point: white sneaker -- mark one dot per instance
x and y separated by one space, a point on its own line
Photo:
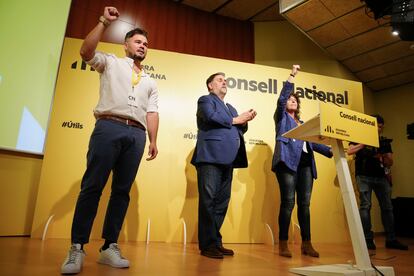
112 256
74 261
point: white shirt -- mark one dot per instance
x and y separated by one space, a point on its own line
116 89
304 148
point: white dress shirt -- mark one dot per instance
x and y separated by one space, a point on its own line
118 95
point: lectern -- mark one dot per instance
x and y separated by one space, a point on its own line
331 126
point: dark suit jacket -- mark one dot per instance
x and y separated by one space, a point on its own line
218 140
289 150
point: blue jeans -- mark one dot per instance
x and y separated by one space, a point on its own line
214 188
382 189
115 147
290 182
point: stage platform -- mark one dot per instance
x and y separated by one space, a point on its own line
26 256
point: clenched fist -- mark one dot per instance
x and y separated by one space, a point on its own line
111 13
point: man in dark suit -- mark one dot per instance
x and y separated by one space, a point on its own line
220 148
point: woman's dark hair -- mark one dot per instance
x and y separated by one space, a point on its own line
297 111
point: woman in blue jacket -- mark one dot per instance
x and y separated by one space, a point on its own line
294 165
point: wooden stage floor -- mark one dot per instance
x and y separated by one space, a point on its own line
25 256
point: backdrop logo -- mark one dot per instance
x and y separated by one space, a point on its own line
83 66
71 124
150 70
253 85
190 135
316 94
259 142
270 87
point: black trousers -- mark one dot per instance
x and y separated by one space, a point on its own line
214 188
114 147
301 183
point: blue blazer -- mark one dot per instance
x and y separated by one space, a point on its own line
289 150
218 140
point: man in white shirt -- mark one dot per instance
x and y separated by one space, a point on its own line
127 108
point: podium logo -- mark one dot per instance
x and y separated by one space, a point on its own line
329 129
83 66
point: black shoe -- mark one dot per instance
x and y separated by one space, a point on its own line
395 244
370 244
212 252
225 251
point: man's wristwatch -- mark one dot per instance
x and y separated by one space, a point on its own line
104 21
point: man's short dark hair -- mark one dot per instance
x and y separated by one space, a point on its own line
135 31
211 78
380 120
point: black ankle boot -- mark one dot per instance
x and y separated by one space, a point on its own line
370 244
395 244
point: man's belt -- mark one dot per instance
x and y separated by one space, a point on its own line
127 122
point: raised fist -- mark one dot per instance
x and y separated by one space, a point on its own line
111 13
295 69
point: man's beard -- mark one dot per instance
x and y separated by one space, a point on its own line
136 57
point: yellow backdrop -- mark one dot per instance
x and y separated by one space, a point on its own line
165 190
